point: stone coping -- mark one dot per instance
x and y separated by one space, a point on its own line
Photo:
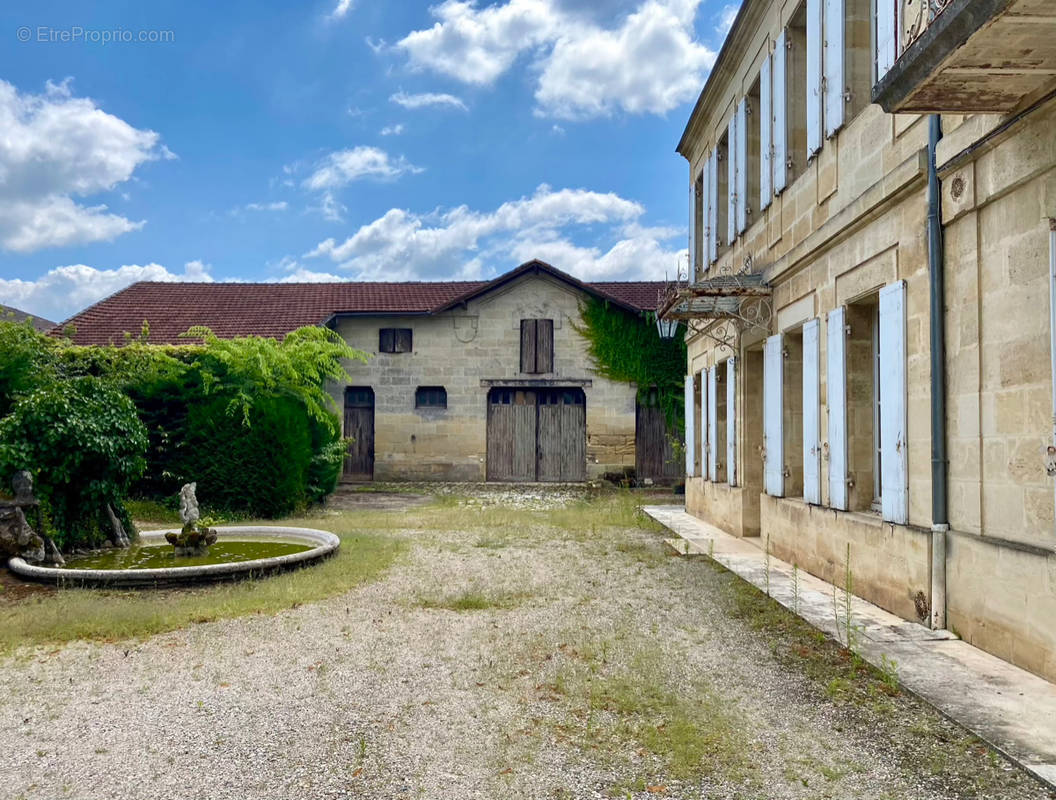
325 545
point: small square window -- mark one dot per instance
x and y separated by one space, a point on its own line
395 340
430 397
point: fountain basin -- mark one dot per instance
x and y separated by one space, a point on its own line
295 547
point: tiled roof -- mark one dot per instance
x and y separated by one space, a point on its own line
275 309
41 324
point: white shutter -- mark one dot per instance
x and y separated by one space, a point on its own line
691 451
835 80
731 421
703 380
812 412
713 424
766 120
779 127
886 42
742 166
814 77
713 205
705 212
692 229
731 180
773 443
836 399
894 484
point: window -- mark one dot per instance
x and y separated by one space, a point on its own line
863 399
722 230
697 236
537 345
430 397
795 98
751 167
394 340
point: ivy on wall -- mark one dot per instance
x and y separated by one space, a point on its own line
626 348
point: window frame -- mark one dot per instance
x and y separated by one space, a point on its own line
427 393
401 340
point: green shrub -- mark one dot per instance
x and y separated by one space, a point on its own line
84 445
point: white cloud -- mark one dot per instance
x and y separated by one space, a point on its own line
56 147
648 62
392 130
341 9
401 245
726 19
279 205
342 167
426 99
63 291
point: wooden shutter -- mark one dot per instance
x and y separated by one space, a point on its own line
702 379
692 227
731 421
766 121
815 72
836 400
544 345
713 423
404 342
885 36
705 212
691 453
779 125
742 166
835 79
773 404
731 180
812 412
387 340
528 345
713 206
894 483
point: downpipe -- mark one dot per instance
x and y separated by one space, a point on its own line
939 460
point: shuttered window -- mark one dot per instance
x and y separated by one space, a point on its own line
395 340
691 453
741 166
894 484
713 424
835 66
537 345
836 400
779 116
773 423
731 180
694 199
430 397
731 421
705 212
815 71
713 206
766 121
811 412
705 444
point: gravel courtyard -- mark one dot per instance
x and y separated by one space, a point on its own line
522 646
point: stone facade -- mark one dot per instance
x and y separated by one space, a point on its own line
467 350
852 221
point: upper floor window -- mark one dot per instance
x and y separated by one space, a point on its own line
430 397
395 340
537 345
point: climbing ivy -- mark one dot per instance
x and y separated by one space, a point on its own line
626 348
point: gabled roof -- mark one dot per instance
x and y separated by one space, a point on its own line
41 324
275 309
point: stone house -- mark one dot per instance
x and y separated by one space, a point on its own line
465 380
872 261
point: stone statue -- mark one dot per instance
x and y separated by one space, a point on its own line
188 504
120 538
22 483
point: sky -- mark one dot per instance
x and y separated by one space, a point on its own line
337 140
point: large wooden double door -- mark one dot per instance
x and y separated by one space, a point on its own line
537 435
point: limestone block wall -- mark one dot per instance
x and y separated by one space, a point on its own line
458 350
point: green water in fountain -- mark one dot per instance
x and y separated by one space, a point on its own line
157 556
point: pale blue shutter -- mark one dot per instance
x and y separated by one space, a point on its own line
814 77
836 400
713 205
742 166
691 451
731 180
773 403
705 212
885 36
713 424
766 121
692 228
894 480
731 421
812 412
779 126
835 80
702 379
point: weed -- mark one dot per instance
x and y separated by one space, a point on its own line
472 600
795 588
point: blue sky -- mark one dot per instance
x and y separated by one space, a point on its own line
342 140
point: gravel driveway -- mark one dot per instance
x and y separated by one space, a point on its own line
522 660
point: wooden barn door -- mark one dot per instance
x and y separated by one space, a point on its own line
653 456
536 435
359 426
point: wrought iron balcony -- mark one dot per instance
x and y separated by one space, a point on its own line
969 56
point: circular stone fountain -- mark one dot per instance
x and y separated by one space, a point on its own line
242 551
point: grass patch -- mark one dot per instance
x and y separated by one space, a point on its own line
152 512
473 601
71 614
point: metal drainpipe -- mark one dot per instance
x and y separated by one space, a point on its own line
939 511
